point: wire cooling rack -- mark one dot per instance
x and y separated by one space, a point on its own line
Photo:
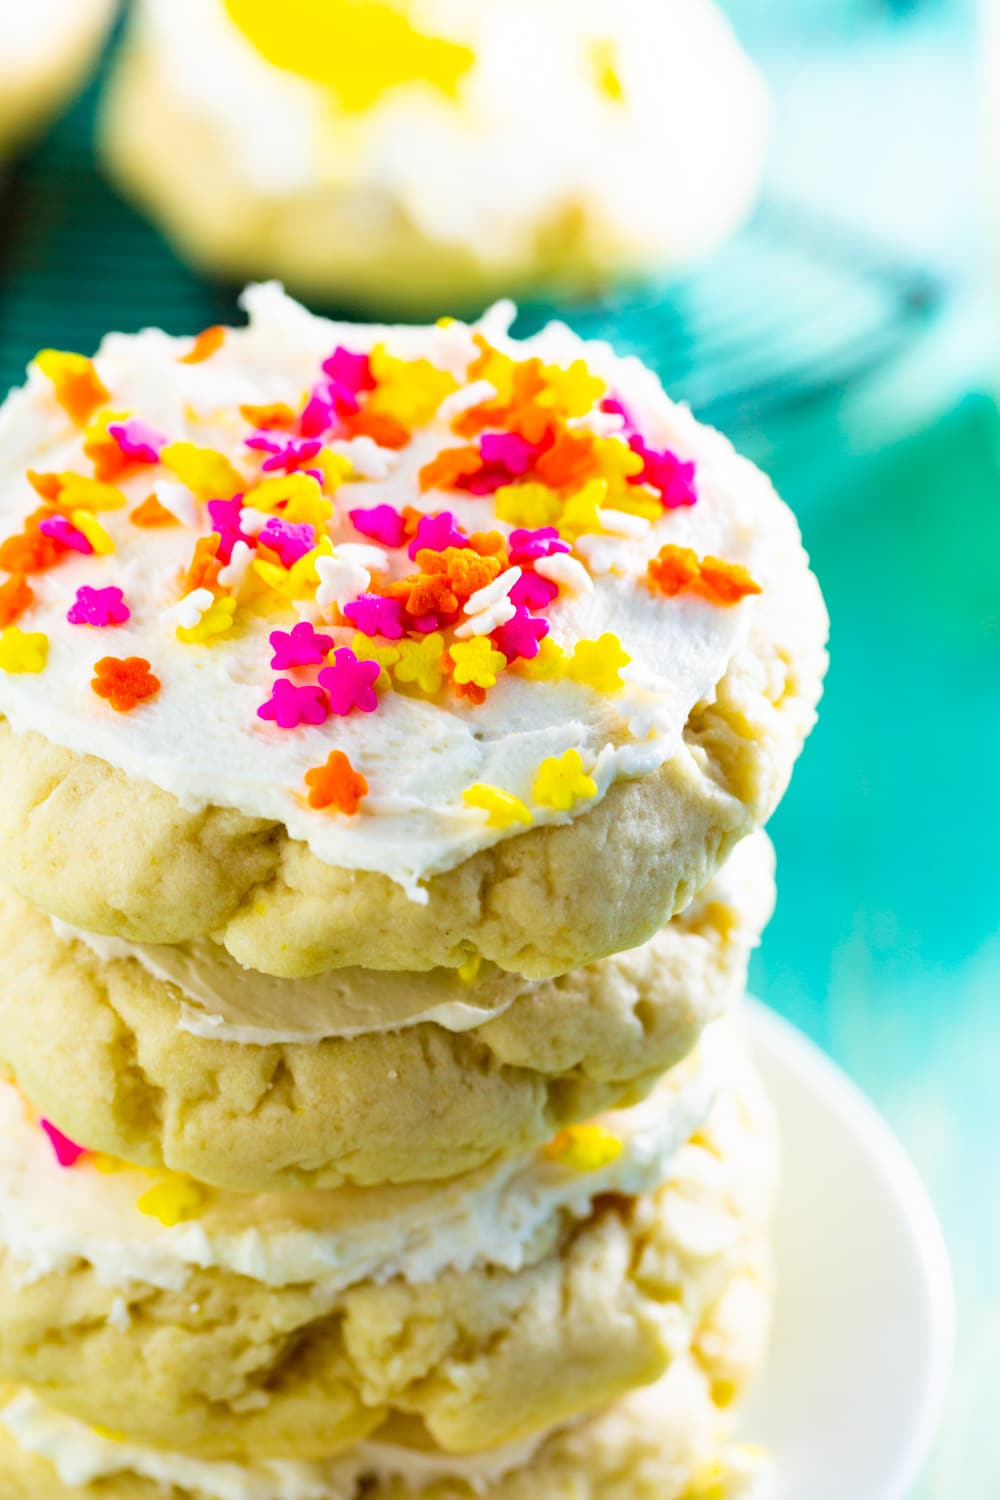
794 311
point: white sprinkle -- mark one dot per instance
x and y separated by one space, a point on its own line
366 458
238 566
180 502
463 400
492 593
603 423
568 572
253 521
189 611
623 523
496 321
605 554
340 580
487 620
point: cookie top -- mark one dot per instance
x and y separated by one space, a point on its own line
406 591
445 109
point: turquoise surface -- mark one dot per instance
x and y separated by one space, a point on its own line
886 943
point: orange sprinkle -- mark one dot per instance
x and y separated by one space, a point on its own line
336 785
676 570
570 460
489 544
470 690
385 431
151 513
77 385
208 342
110 463
411 521
204 569
31 551
450 467
15 597
269 418
47 486
465 569
425 594
124 681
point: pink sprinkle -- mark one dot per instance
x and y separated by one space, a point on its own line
60 530
521 635
225 518
382 522
289 706
350 683
318 414
290 539
437 533
98 607
137 440
510 451
374 615
353 371
529 546
302 646
67 1152
617 408
665 472
533 591
426 623
286 454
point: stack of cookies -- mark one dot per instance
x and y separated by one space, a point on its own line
389 717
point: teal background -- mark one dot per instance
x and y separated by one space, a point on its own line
886 943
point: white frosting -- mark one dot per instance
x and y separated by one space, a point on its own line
32 35
200 737
81 1456
51 1218
224 1002
530 132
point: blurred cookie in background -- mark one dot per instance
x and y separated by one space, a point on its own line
46 50
398 155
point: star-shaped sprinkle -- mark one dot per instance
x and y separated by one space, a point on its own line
519 637
533 591
137 440
663 471
350 683
208 474
290 540
529 546
503 809
174 1200
124 682
16 596
94 533
302 646
98 607
421 664
382 652
678 570
70 537
78 387
341 579
373 614
289 706
560 782
151 514
598 663
435 533
23 651
477 662
336 786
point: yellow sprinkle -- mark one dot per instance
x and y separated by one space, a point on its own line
208 474
529 505
560 782
604 58
420 664
109 1434
580 513
548 666
86 522
335 469
584 1148
173 1200
23 651
78 490
369 648
477 661
468 972
298 496
504 808
573 391
598 663
109 1166
408 390
217 620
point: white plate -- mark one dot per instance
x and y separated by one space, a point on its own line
865 1326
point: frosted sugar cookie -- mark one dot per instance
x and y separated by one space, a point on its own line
471 1316
177 1057
45 50
663 1443
402 648
421 154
